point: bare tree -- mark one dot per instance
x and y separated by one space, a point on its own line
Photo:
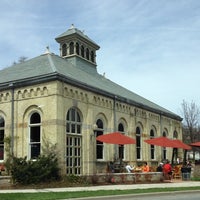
191 114
20 60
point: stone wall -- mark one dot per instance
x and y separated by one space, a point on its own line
5 182
127 178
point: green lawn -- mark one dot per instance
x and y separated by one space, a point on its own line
67 195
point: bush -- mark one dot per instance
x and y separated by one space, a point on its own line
44 169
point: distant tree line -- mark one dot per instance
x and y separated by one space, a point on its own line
191 122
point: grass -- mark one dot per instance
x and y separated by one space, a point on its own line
67 195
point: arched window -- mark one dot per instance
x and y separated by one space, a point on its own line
73 121
2 132
121 127
64 50
164 134
71 48
35 135
175 135
82 51
77 48
164 153
73 142
92 56
87 54
152 135
99 145
121 147
138 143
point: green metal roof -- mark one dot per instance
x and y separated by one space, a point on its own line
49 65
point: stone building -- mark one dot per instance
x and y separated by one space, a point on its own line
63 100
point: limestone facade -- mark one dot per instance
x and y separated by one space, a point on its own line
54 99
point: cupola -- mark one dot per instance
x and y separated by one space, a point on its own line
74 43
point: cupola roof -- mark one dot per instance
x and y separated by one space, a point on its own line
72 31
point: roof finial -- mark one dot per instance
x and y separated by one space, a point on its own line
47 51
72 26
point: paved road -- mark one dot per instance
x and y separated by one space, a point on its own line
191 195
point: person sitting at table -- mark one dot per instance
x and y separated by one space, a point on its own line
145 167
129 168
111 167
160 168
167 170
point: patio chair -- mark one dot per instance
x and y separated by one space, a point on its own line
177 172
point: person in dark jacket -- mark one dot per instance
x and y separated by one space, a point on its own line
160 167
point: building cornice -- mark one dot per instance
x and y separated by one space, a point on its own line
55 76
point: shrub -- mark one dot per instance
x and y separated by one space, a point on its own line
44 169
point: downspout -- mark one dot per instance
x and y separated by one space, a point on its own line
114 111
12 118
161 134
116 155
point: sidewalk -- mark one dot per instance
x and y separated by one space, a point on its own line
174 184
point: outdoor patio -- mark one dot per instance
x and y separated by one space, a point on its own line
127 178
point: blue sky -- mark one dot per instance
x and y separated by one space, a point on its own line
151 47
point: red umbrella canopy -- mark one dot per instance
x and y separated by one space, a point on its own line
115 138
196 144
180 144
161 141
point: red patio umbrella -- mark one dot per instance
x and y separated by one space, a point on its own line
180 144
195 144
161 141
115 138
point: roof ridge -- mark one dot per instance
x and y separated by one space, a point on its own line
53 67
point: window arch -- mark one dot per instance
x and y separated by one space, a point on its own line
138 143
35 135
164 134
121 128
71 48
175 135
99 145
73 121
73 142
64 50
2 132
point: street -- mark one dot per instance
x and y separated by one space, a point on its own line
189 195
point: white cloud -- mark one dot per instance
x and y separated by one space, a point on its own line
150 47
